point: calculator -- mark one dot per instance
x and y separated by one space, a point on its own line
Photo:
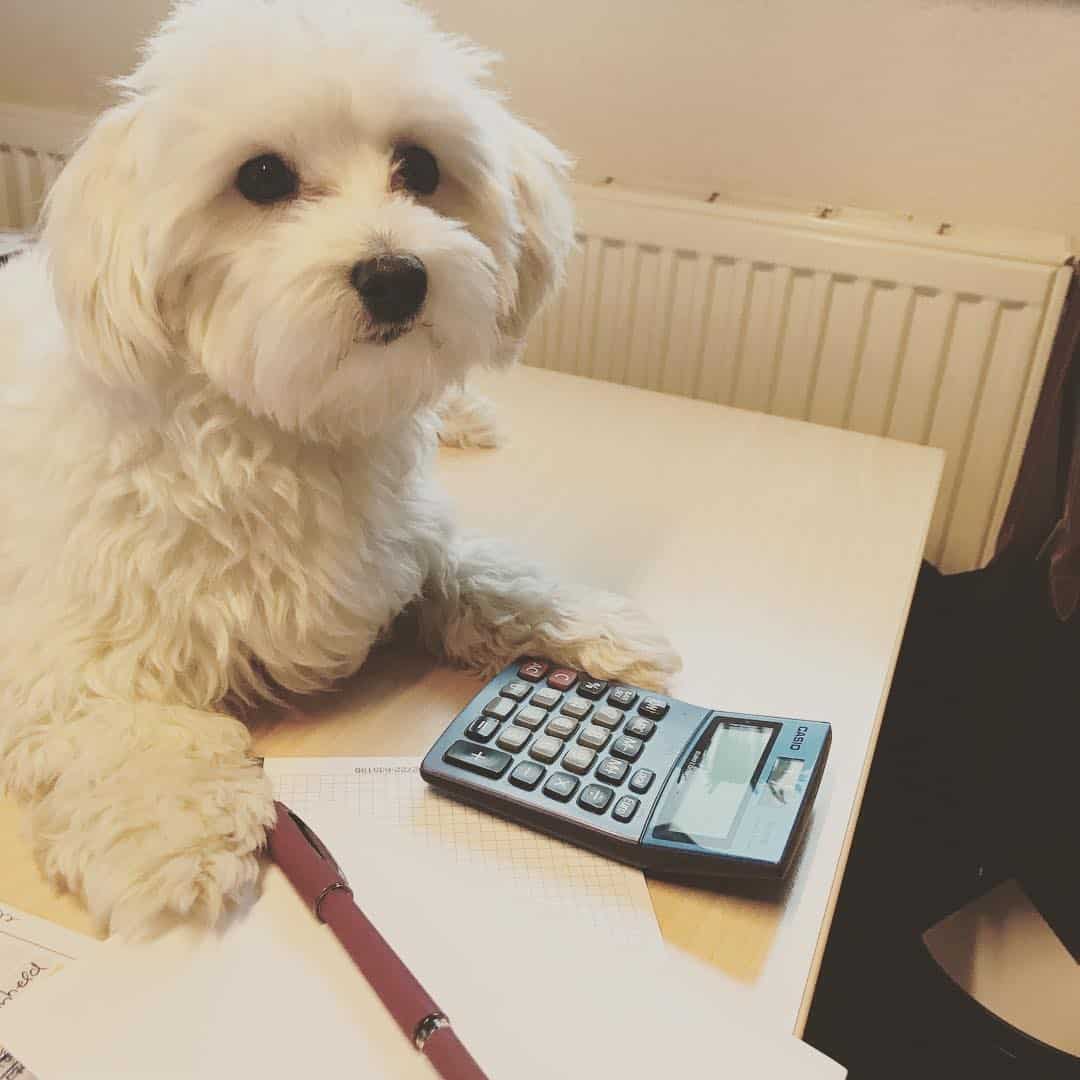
673 788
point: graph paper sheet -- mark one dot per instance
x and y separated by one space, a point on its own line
610 899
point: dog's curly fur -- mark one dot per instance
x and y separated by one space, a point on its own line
214 481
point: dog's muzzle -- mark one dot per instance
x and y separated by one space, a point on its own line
392 287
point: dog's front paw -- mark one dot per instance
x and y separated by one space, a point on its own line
163 836
467 420
610 638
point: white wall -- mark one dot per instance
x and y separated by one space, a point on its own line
961 110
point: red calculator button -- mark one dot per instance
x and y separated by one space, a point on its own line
533 670
562 678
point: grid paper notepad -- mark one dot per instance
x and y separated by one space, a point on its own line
611 899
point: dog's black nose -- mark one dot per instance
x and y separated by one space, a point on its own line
392 287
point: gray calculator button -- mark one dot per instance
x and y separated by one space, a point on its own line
594 736
612 770
639 727
595 797
653 708
513 738
578 759
562 727
531 717
527 775
546 698
499 707
482 728
516 690
625 808
626 746
546 748
607 716
560 786
642 780
478 759
622 697
576 707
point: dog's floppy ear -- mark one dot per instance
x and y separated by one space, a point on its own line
98 254
547 236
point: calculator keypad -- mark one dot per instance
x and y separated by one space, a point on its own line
567 737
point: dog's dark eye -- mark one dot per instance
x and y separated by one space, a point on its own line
266 179
415 170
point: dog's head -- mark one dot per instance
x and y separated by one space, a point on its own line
316 204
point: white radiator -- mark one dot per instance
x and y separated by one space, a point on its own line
25 177
926 333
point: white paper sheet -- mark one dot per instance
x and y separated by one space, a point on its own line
611 899
32 950
533 993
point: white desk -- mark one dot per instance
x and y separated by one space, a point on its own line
780 557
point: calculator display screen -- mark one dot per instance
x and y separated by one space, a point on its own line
706 795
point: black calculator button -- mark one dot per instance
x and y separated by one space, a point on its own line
482 728
639 727
594 737
561 727
533 670
592 688
612 770
625 808
578 759
642 780
478 759
576 707
560 786
653 708
562 678
499 707
622 697
546 748
516 690
609 717
513 738
530 716
595 797
626 746
546 699
527 775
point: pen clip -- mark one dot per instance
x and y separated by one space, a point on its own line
323 852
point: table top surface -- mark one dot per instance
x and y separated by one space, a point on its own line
779 557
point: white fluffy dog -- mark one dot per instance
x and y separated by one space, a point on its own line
297 230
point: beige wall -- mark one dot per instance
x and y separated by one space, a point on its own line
962 110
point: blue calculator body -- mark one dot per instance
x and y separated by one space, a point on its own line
673 788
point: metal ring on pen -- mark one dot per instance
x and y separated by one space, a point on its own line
427 1027
324 894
